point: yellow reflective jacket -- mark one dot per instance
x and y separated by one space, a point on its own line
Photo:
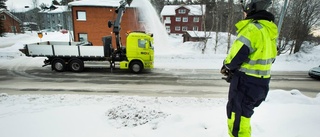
260 37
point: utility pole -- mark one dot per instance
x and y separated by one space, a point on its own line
283 11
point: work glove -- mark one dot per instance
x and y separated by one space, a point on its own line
224 70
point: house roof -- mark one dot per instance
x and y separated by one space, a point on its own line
11 15
101 3
169 10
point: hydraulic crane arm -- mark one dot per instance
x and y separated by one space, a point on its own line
117 23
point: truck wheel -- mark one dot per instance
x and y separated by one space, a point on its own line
58 65
136 67
76 65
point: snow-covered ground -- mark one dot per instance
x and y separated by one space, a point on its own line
283 114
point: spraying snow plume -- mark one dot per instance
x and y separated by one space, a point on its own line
153 23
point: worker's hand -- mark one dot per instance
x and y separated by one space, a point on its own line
224 70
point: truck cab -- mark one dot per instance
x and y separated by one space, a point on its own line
139 52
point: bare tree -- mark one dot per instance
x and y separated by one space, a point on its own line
34 3
234 15
207 17
303 15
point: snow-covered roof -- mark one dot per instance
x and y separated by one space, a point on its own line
101 3
59 9
11 15
169 10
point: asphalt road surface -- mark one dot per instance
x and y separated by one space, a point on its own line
157 82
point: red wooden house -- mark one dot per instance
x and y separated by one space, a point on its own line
11 22
181 18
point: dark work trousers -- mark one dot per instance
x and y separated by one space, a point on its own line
245 93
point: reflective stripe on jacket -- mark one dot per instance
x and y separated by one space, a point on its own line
260 37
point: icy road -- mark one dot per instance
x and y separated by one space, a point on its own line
157 82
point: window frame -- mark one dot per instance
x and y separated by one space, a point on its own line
182 11
185 19
184 28
81 17
175 28
193 28
168 28
196 19
84 34
178 19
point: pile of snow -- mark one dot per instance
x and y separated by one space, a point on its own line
132 115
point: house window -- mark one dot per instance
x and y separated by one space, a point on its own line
195 19
81 15
168 18
195 28
178 19
177 28
185 19
168 28
2 17
182 11
83 37
184 28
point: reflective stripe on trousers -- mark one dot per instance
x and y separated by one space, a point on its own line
244 126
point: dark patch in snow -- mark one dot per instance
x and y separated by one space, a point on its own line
129 115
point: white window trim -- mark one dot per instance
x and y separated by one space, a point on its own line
184 28
185 19
196 19
178 19
84 36
168 28
81 17
195 28
182 11
177 28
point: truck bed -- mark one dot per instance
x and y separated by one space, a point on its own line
63 49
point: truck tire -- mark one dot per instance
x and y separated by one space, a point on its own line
136 67
76 65
58 65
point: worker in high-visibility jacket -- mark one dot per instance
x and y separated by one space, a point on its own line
248 65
